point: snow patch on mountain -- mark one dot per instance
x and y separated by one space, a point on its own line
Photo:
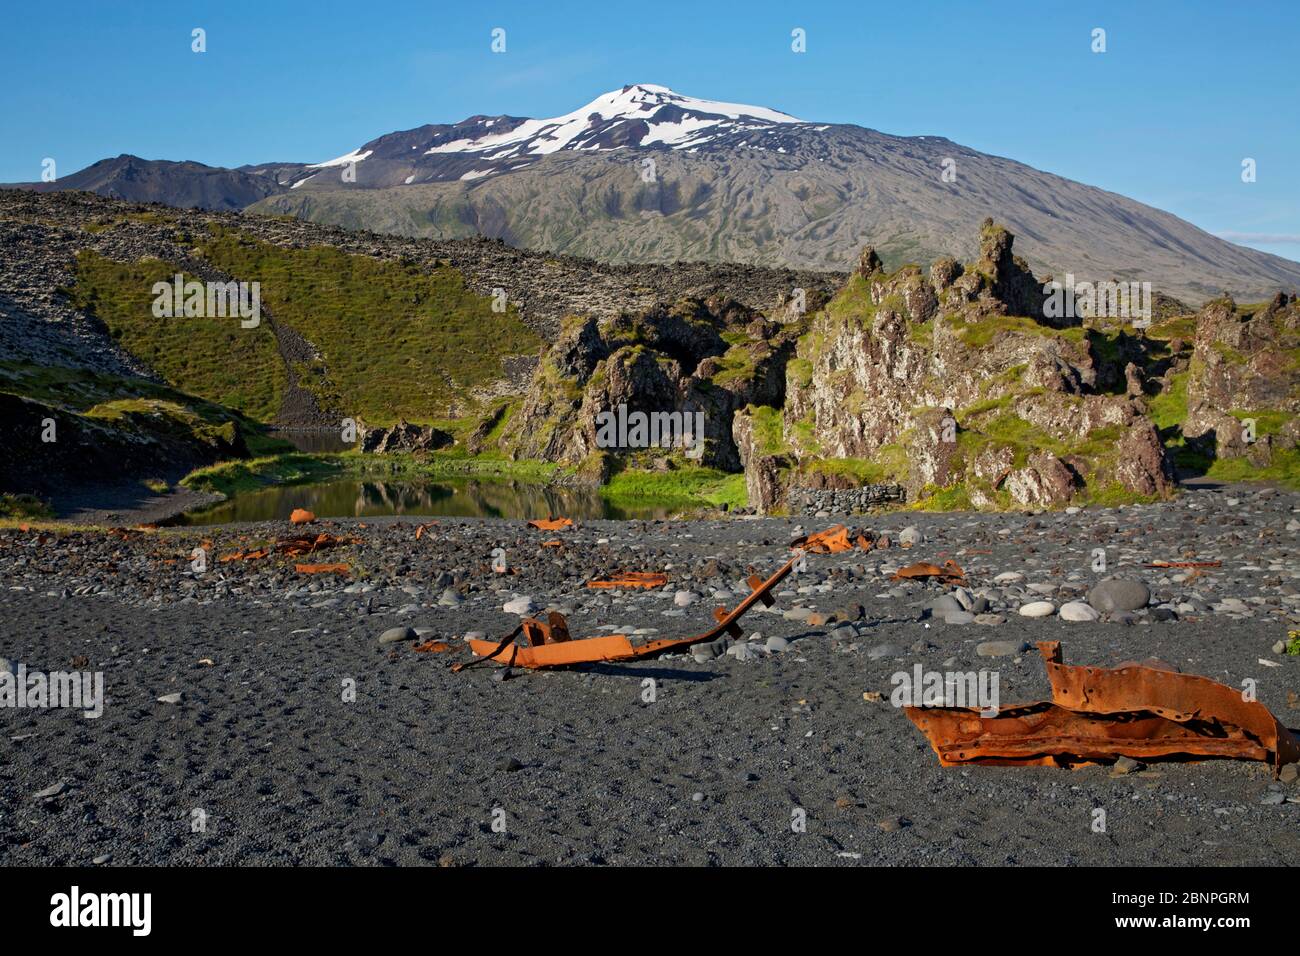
670 119
347 159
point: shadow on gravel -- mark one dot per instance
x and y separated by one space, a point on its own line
658 673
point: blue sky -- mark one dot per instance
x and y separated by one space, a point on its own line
1184 91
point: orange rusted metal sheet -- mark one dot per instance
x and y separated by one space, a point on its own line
244 555
321 568
301 516
950 570
550 645
1134 710
1185 564
833 540
306 544
550 524
631 579
432 646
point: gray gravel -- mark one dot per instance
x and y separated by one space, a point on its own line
303 739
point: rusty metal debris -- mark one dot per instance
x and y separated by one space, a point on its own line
301 516
293 546
244 555
1142 711
306 544
949 572
321 568
549 643
834 540
631 579
550 524
1185 564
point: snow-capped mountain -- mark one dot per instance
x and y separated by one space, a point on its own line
728 183
641 115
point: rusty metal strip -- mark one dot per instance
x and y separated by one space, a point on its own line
1097 713
631 579
550 524
834 540
949 571
488 655
558 652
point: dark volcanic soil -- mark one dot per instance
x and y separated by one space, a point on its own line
583 768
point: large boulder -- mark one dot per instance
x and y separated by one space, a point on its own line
404 437
1243 363
1046 481
763 482
699 361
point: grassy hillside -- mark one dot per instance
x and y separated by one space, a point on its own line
212 358
111 399
394 341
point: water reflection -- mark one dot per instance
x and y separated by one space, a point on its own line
460 497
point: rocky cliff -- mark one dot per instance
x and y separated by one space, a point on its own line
956 381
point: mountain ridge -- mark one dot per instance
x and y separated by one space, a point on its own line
647 175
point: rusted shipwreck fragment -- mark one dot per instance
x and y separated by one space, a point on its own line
1143 711
548 643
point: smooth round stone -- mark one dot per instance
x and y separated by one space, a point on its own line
395 635
777 644
1009 577
944 603
521 605
685 598
1079 612
999 648
450 598
910 536
958 617
1119 594
885 650
990 620
1037 609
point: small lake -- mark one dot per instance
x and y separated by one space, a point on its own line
450 497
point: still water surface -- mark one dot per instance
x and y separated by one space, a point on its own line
458 497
